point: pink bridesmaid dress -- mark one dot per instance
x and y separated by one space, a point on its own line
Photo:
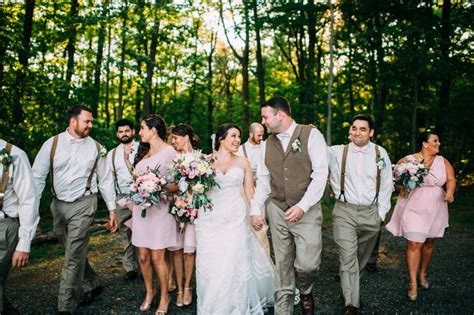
424 214
158 229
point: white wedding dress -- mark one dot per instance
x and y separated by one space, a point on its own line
234 276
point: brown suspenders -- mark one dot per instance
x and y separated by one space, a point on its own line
245 151
6 168
51 166
117 186
343 174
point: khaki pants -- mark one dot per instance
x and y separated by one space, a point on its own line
8 241
297 247
355 231
129 253
71 222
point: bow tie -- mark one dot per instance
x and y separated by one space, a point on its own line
356 149
73 140
282 136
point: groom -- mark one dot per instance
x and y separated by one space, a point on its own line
292 171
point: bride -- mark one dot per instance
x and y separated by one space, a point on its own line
233 273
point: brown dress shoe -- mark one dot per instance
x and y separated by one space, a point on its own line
350 310
307 304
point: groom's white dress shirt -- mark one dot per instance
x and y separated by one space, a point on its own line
73 162
360 179
20 200
317 151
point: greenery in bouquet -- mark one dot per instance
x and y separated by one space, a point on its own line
194 175
409 175
147 189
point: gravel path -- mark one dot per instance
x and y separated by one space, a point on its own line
34 289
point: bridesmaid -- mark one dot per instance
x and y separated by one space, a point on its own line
184 140
156 232
423 215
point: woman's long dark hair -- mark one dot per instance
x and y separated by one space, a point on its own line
152 121
222 132
186 130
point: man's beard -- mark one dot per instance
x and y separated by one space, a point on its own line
82 133
125 139
256 141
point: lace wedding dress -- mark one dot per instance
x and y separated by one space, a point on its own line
233 273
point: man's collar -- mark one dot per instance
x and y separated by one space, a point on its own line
288 133
71 138
357 149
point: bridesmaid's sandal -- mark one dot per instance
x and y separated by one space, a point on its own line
412 296
424 284
145 307
171 286
179 299
163 311
188 296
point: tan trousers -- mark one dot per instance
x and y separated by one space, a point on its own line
8 241
355 233
297 247
71 222
129 252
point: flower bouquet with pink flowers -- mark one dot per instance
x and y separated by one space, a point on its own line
147 189
194 175
409 175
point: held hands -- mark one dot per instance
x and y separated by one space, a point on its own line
257 222
19 259
113 221
294 214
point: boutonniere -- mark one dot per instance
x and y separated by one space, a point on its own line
6 158
379 160
296 146
102 152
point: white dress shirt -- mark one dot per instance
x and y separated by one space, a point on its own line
73 162
253 154
361 176
317 151
20 197
123 174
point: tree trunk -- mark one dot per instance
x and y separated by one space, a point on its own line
446 78
150 64
259 57
107 76
122 59
99 58
310 80
210 76
71 44
23 55
331 76
414 114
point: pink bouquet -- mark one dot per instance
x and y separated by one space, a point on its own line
194 176
148 189
409 174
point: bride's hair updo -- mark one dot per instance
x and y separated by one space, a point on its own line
152 121
222 132
186 130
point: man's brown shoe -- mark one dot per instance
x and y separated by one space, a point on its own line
307 304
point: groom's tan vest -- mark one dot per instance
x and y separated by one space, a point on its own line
290 171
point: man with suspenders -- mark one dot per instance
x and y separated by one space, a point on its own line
361 178
77 167
122 175
18 214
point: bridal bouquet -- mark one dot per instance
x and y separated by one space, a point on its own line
195 177
409 174
148 189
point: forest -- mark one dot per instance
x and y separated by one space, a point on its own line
409 63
